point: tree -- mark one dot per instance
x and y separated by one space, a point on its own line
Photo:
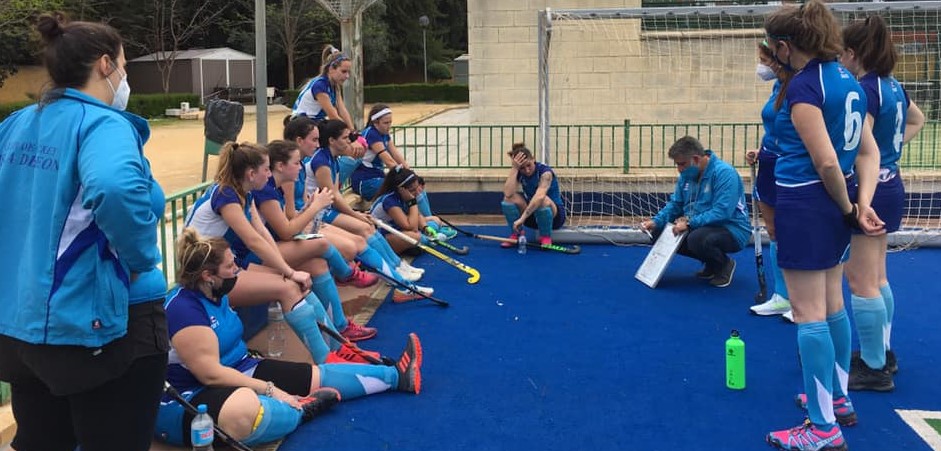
17 44
297 25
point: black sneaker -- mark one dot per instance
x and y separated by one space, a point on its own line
409 366
864 378
705 273
320 401
891 363
724 277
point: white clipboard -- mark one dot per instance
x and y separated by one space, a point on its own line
653 267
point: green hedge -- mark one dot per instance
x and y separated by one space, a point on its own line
288 96
414 92
146 105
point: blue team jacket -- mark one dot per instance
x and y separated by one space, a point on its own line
718 200
77 220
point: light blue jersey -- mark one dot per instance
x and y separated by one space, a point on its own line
828 86
888 104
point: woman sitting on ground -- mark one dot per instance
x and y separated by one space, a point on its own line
396 203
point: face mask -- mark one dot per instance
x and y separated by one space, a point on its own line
224 288
122 94
764 73
692 172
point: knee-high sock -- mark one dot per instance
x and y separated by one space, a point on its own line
511 212
353 380
870 314
276 419
373 259
889 298
816 352
842 336
379 243
544 220
424 207
779 286
303 320
434 226
326 290
337 264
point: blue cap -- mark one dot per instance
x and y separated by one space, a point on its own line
202 408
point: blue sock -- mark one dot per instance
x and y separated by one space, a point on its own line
870 314
841 334
354 380
423 239
326 290
379 243
779 286
816 352
424 207
278 419
338 265
889 298
434 226
544 221
511 212
372 259
303 320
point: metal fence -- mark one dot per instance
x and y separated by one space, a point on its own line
171 224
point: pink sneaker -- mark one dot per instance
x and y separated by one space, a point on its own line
808 437
513 236
355 332
545 241
359 278
842 409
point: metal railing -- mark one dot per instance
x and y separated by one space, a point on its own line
170 225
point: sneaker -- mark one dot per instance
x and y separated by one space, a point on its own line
409 276
545 241
864 378
347 353
355 332
891 363
724 277
408 267
513 236
399 296
705 273
788 316
409 366
359 278
447 232
808 436
320 401
842 409
777 305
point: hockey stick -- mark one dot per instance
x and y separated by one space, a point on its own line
756 236
474 274
464 250
575 249
383 360
228 439
404 286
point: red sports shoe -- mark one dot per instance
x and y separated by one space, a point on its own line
355 332
513 236
347 353
545 241
359 278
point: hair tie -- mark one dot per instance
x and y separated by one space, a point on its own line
381 113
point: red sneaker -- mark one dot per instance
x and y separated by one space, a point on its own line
359 278
513 236
545 241
355 332
347 353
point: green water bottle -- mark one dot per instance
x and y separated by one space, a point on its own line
735 362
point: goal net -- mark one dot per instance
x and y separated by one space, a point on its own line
654 75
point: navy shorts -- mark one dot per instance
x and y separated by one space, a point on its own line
765 188
888 200
557 221
810 230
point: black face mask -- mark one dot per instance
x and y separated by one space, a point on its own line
224 289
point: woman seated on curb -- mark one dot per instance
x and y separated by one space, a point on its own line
396 204
254 400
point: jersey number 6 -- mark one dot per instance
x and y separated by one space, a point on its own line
854 123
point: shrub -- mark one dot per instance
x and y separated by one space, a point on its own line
154 105
288 96
439 71
417 92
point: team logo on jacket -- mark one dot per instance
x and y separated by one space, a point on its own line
213 322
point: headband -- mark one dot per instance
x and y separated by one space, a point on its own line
407 179
381 113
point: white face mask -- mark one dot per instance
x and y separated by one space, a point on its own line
765 73
122 94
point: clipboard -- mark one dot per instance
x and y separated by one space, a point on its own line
659 257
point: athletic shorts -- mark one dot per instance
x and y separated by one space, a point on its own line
765 187
330 214
809 227
888 200
557 221
247 259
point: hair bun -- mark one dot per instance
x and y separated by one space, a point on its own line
50 26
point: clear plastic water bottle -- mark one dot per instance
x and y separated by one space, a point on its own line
735 362
522 244
276 333
318 220
201 432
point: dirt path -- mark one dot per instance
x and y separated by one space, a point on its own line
175 148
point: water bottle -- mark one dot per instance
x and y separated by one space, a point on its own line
275 330
201 432
522 244
318 220
735 362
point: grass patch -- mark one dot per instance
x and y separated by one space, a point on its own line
934 423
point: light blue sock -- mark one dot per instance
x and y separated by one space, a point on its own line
354 380
434 226
841 334
817 360
424 207
326 290
277 420
511 212
379 243
303 320
338 265
423 239
870 314
889 298
372 259
544 220
780 287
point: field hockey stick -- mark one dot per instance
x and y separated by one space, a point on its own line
474 274
228 439
756 236
464 250
403 286
382 360
575 249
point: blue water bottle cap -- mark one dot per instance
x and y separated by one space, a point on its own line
202 408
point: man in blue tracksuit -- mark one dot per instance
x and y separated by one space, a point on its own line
709 202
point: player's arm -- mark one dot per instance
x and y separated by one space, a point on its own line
324 100
287 228
545 181
408 219
289 211
914 122
511 185
810 126
234 217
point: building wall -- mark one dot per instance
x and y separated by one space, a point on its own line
605 72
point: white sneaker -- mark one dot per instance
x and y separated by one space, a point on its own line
406 266
777 305
408 275
427 291
788 316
